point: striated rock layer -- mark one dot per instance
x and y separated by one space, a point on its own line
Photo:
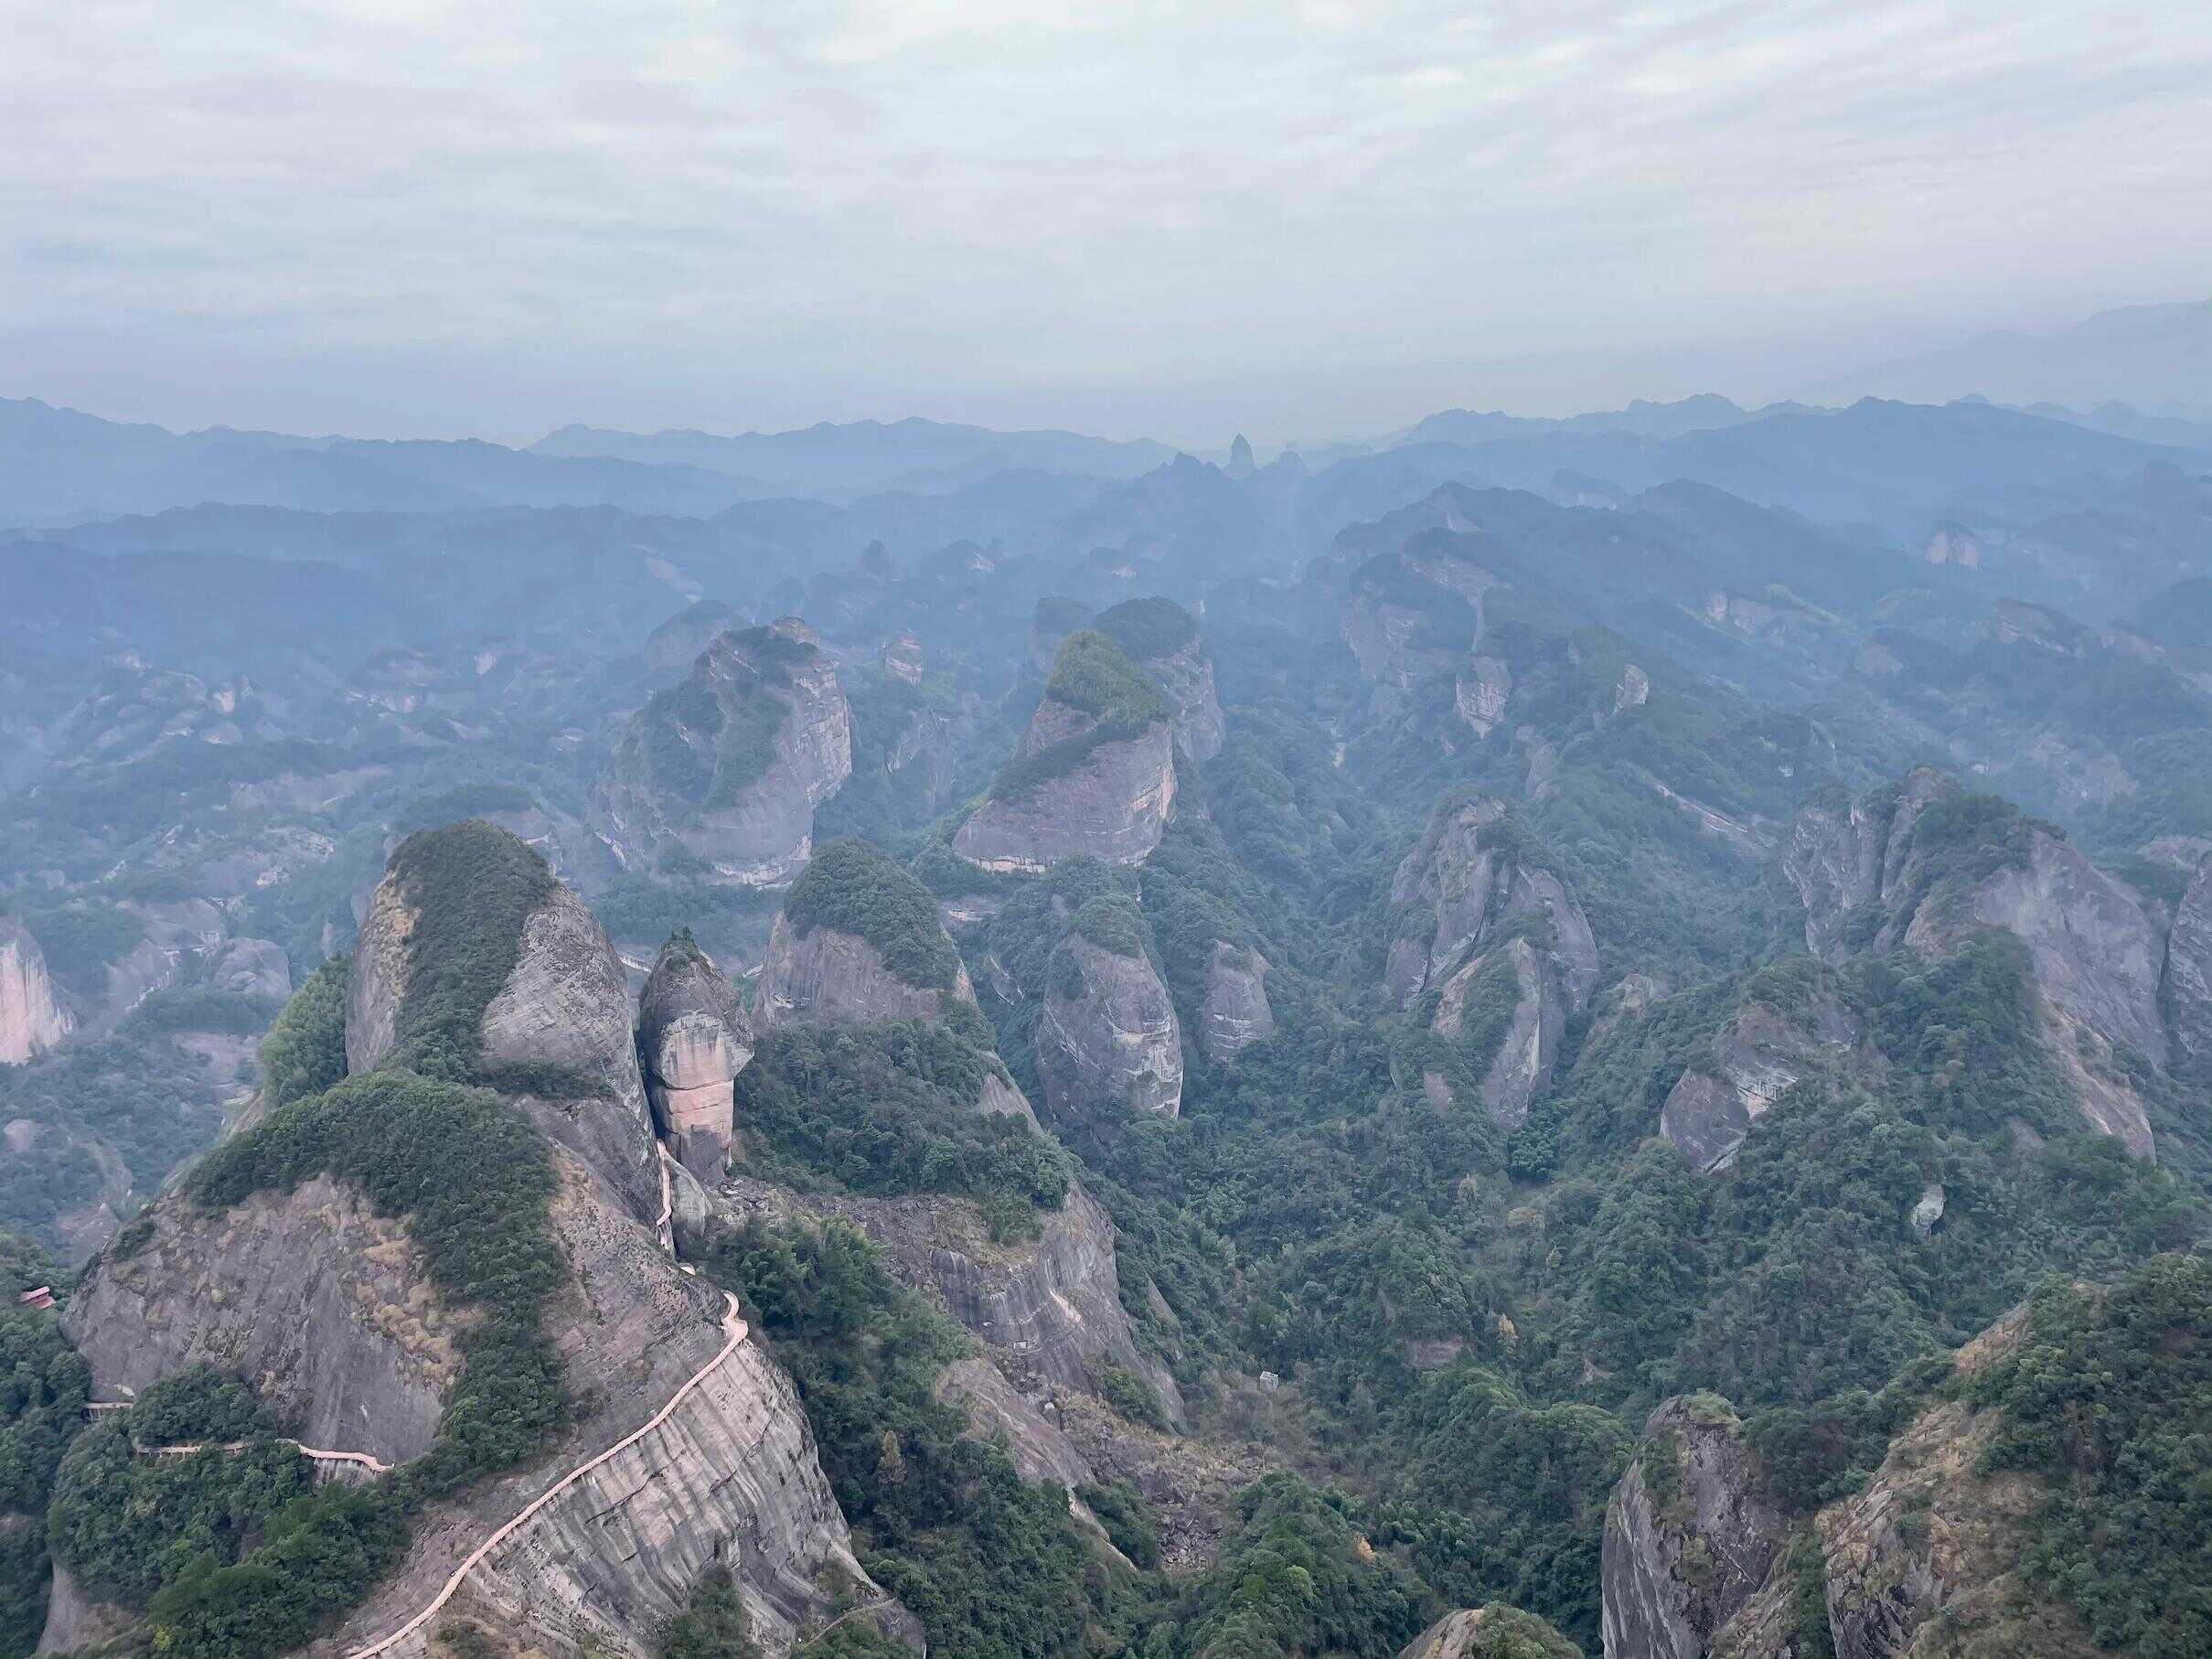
828 977
693 1038
1108 1035
1113 804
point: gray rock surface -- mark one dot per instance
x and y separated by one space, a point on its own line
2096 954
996 1410
1115 1041
693 1038
1530 1049
757 832
565 1005
1186 675
31 1020
324 1303
1757 1056
1048 1309
1113 805
1236 1014
2188 973
1481 692
1455 893
1688 1537
826 977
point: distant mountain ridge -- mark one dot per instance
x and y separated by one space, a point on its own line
862 455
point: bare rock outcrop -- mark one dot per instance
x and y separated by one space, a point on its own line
1481 692
1688 1536
1761 1052
1236 1012
1492 1631
1471 875
557 1029
829 977
1048 1309
1924 866
693 1038
1095 772
1414 612
361 1357
996 1410
1162 638
2188 973
31 1020
728 767
1108 1036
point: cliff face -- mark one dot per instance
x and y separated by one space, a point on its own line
1755 1058
327 1310
1049 1310
1466 880
560 1016
1236 1014
1688 1539
1485 924
1873 873
730 766
2189 966
1414 612
1095 772
693 1038
1495 1631
31 1022
1108 1034
829 977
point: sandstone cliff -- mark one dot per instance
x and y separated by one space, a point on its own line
1236 1014
1761 1053
2188 973
1414 612
557 1028
328 1309
728 767
1688 1537
1162 638
1483 923
1048 1309
1108 1036
858 942
31 1021
1924 865
1095 772
1493 1632
693 1038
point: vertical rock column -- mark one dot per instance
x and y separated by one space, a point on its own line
693 1038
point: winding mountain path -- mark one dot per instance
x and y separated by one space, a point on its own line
734 1329
360 1458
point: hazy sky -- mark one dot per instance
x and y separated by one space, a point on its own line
386 216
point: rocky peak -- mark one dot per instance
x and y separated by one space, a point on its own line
859 942
1241 465
728 767
693 1038
475 965
31 1021
1108 1035
1689 1537
1473 872
1094 773
2188 972
1162 638
901 659
1480 696
1924 865
1763 1051
1236 1012
1490 1632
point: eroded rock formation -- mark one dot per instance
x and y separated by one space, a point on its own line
1761 1053
1108 1036
1924 866
1095 772
1236 1014
31 1021
728 767
693 1038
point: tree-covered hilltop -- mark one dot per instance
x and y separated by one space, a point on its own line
851 887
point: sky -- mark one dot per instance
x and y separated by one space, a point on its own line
1302 220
